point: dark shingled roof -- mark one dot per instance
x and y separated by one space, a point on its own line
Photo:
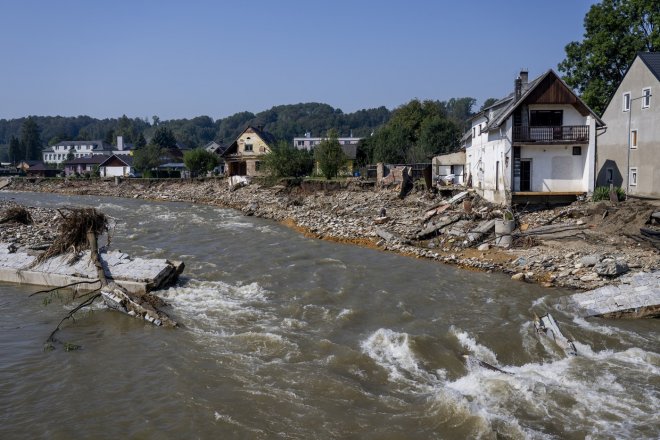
128 160
652 61
267 137
94 160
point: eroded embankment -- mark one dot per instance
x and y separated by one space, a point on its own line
579 256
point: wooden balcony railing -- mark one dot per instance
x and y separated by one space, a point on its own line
564 133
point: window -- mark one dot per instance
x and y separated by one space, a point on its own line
300 143
546 118
633 139
633 176
474 132
248 147
577 151
646 97
626 102
609 175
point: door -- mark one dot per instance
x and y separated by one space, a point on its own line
525 175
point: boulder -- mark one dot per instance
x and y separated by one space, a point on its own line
590 260
611 268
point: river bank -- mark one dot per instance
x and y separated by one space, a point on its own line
585 249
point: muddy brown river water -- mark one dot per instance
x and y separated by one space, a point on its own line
289 337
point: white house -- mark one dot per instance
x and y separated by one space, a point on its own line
539 141
58 153
308 142
117 165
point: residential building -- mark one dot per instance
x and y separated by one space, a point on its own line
42 170
308 142
243 156
350 151
629 149
218 149
117 165
83 165
449 168
57 153
537 142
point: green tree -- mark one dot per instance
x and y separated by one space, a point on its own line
31 139
147 158
415 132
140 142
487 103
330 156
614 31
285 160
164 138
200 161
16 153
109 137
70 155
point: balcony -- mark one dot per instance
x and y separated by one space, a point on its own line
551 135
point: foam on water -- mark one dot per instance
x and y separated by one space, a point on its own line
470 344
586 385
209 305
392 351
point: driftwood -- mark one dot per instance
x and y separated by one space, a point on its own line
17 214
89 223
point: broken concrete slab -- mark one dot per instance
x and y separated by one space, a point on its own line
4 183
435 211
136 275
561 230
483 228
637 296
387 236
458 197
435 226
458 229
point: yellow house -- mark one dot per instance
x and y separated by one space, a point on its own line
350 151
243 155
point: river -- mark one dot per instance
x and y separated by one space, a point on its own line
289 337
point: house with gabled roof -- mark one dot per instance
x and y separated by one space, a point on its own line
629 150
243 156
538 143
83 165
117 165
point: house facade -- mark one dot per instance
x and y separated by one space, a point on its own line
449 168
57 153
629 150
243 156
539 141
120 165
308 142
82 165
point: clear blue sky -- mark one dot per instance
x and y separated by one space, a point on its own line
179 59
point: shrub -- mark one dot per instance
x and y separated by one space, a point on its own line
603 193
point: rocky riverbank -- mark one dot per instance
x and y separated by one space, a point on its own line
582 246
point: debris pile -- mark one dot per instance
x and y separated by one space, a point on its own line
453 226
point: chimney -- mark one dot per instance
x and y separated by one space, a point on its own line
517 87
120 143
524 77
